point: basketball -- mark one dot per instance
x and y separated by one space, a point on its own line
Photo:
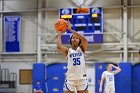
61 25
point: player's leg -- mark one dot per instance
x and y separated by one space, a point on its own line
112 90
68 88
68 91
82 91
107 89
83 87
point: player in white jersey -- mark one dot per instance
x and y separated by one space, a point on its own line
108 77
76 77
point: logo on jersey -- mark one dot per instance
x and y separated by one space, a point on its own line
75 54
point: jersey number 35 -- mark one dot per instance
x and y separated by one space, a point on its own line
76 61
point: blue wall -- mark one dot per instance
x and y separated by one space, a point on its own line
136 78
124 78
56 77
128 80
39 75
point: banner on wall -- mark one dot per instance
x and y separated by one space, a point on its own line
12 27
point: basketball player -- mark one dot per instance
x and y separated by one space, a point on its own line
76 78
108 77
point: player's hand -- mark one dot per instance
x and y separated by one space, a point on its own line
111 65
100 90
59 33
69 25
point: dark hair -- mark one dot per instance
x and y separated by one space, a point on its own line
71 42
107 65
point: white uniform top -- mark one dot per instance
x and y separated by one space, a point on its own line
76 64
109 78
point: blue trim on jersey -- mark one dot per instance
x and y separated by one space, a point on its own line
86 87
67 87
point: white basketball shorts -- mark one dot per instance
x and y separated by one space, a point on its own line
71 85
109 89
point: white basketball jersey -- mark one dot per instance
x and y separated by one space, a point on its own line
109 78
76 64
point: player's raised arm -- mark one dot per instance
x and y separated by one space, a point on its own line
84 42
60 47
117 69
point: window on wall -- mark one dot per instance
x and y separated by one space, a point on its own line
25 76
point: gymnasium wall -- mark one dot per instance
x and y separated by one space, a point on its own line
112 23
28 24
57 3
1 34
29 31
15 67
20 5
135 22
